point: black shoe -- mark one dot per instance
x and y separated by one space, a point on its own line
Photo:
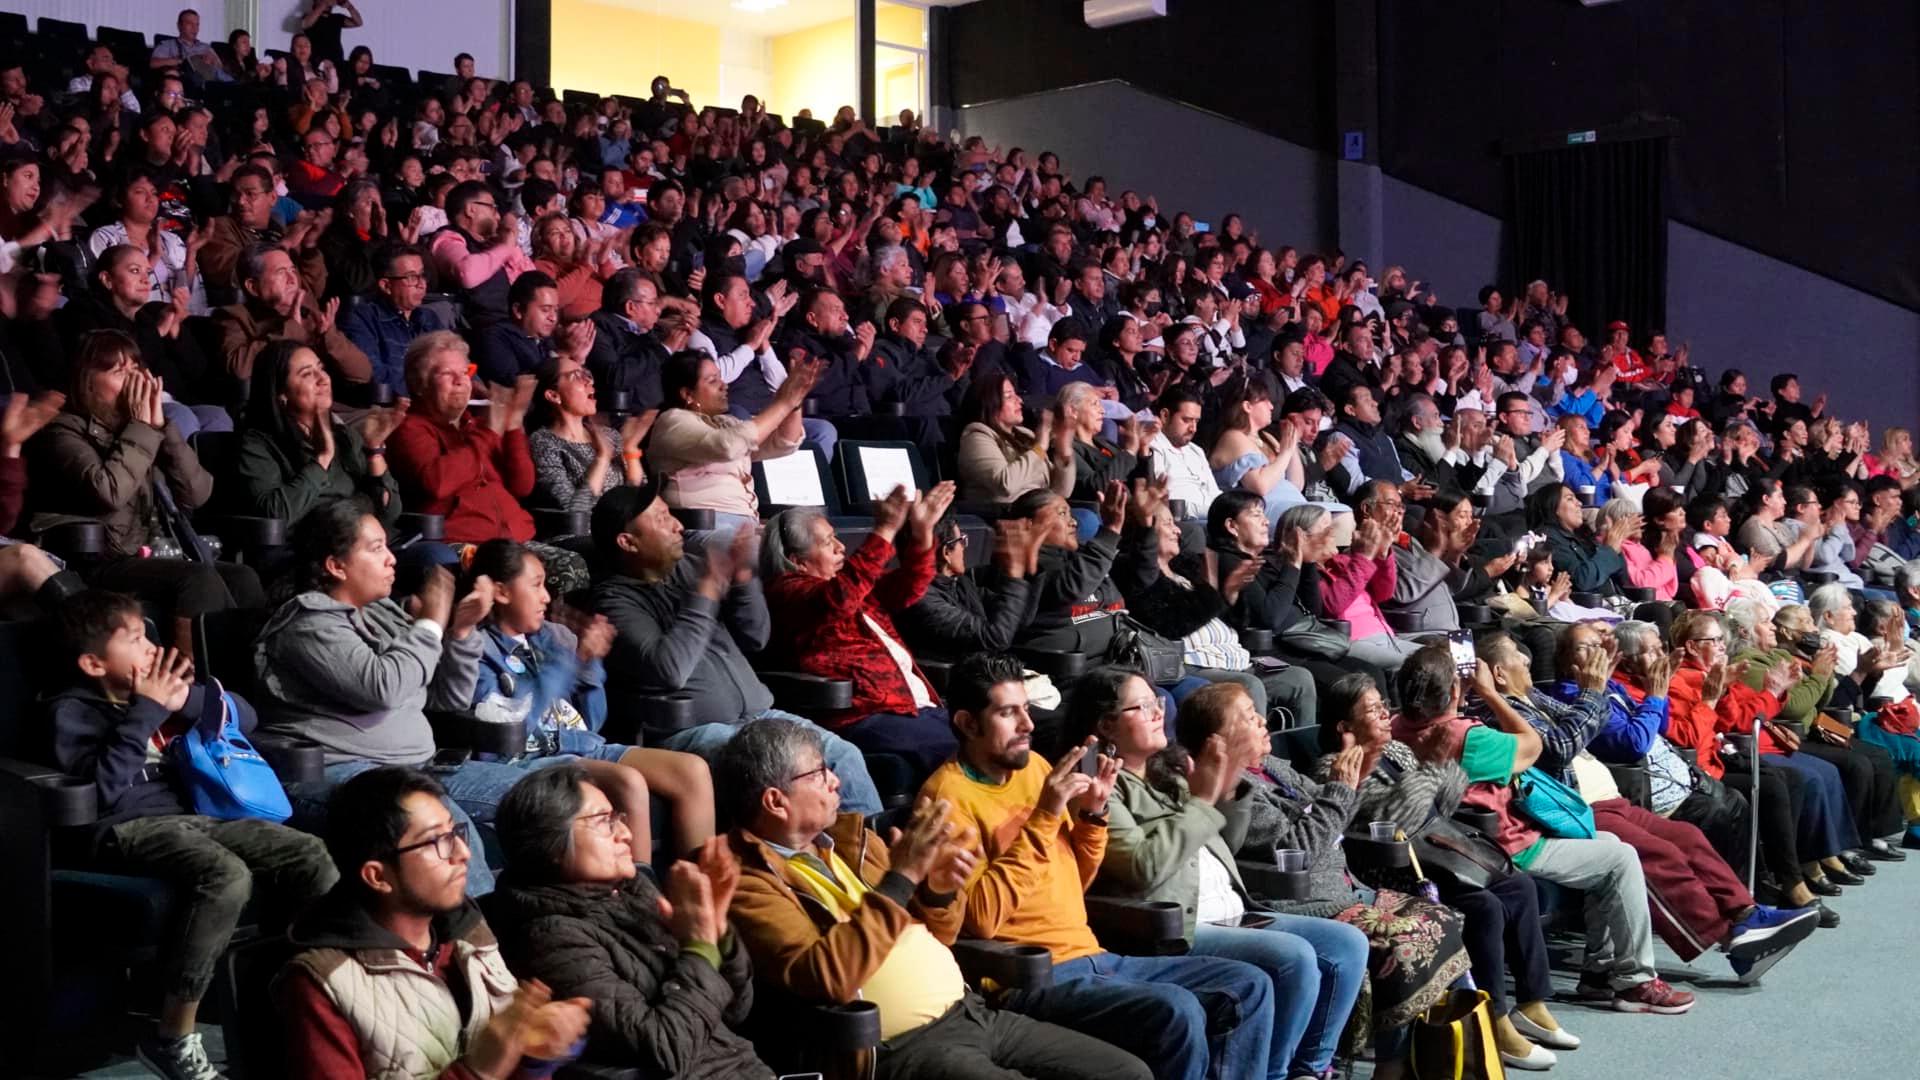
1829 918
1857 862
1822 887
1881 851
1844 877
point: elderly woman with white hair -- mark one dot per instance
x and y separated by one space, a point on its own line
1309 582
1097 459
833 614
1894 727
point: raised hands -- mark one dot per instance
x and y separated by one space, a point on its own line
927 512
890 513
24 416
1016 547
167 680
915 851
379 424
472 609
1113 507
532 1025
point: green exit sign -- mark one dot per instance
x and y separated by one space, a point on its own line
1575 138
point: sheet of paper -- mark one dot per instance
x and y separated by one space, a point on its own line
794 480
888 467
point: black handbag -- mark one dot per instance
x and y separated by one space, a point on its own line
1324 639
1161 661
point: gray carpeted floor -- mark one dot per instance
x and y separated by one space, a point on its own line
1811 1005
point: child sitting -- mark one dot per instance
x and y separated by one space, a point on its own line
552 678
113 727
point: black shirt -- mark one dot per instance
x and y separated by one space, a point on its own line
325 36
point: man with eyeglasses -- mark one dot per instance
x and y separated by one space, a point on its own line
633 336
399 973
382 325
832 912
478 256
230 236
313 181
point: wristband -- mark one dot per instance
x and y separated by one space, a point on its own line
376 451
630 455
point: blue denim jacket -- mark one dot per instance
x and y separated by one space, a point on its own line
556 674
376 329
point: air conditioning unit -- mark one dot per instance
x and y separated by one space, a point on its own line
1101 14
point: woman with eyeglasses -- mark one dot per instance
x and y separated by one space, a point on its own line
670 985
548 675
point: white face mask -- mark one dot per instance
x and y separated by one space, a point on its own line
1568 376
280 188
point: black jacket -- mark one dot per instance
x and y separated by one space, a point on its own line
1167 607
1279 597
840 391
1097 464
958 616
1074 598
622 359
105 741
655 1004
896 371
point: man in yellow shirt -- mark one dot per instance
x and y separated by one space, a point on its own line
1038 833
831 914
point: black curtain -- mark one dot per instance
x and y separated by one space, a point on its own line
1591 220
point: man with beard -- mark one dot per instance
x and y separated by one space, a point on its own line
821 330
478 253
1421 444
1485 462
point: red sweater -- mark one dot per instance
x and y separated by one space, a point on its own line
820 620
1691 723
467 473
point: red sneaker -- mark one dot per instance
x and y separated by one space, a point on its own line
1653 996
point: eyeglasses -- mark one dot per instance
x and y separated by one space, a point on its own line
603 822
1715 639
821 772
576 375
443 845
1155 706
406 279
488 205
961 540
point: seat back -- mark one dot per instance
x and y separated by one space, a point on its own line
256 1041
1299 747
30 661
869 469
129 46
223 647
798 479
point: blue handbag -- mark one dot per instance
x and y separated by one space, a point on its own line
223 775
1556 809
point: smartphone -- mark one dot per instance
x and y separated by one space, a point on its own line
449 760
1089 764
1201 226
1460 644
1247 920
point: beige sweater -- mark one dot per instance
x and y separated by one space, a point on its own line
994 469
708 460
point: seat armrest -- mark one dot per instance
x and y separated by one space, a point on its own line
1473 817
248 531
1367 855
1687 754
1476 615
844 1028
75 539
1269 882
1818 577
997 965
1137 927
1257 640
694 518
808 694
465 731
1404 622
1743 743
1056 665
65 801
1589 599
890 408
1638 594
936 672
293 763
1635 783
424 526
549 523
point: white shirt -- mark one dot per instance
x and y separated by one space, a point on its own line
922 699
734 363
1188 476
84 83
164 272
1218 900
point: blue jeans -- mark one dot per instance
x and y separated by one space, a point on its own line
1316 965
925 739
1176 1013
723 526
857 792
474 791
190 420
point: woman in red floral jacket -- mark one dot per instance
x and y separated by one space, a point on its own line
832 614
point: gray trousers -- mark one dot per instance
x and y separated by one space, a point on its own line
1619 924
973 1042
213 867
1291 687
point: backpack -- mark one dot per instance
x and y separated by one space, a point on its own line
223 775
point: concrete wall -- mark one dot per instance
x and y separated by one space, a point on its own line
1452 247
1192 160
1743 309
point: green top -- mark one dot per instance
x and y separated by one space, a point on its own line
1802 700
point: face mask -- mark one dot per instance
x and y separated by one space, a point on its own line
280 188
1149 221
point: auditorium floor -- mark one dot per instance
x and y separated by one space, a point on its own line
1809 1017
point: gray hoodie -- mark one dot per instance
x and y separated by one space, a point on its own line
357 682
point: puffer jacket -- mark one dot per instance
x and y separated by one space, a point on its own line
656 1005
82 469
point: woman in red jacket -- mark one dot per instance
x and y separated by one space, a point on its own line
834 611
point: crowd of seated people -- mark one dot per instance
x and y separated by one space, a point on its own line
469 397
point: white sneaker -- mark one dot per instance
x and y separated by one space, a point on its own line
1540 1060
1557 1038
177 1059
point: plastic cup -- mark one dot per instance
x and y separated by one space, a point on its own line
1382 831
1291 859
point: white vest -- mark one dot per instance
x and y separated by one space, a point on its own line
405 1019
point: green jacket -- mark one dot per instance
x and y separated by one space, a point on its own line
274 485
1801 701
1154 842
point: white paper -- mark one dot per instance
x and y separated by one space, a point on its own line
793 480
888 467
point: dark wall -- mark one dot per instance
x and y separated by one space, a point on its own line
1800 120
1261 63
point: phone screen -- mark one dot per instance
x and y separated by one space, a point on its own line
1460 644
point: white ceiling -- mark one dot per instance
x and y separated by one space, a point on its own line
778 18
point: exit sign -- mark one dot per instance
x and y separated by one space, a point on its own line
1575 138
